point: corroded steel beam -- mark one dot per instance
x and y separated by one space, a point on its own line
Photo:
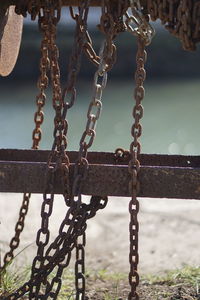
161 176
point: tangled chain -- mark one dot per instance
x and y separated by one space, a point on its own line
181 18
55 256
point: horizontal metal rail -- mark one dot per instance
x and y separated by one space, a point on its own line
161 176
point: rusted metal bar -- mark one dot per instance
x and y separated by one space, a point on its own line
161 176
103 158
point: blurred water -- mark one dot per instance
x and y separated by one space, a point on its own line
170 123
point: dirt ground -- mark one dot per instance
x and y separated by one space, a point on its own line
169 232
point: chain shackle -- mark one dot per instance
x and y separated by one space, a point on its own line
138 24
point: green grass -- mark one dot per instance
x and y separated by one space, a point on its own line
180 284
186 275
11 279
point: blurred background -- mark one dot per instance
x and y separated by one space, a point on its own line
171 104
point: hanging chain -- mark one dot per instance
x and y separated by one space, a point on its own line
134 168
87 45
48 18
72 229
80 267
73 70
107 57
36 137
144 32
14 243
82 167
78 213
42 86
117 10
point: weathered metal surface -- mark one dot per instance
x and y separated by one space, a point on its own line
103 158
161 176
10 39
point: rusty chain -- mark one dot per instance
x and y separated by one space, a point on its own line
15 241
87 45
36 136
138 25
43 235
72 230
43 82
134 168
117 10
76 214
181 18
80 267
49 16
107 57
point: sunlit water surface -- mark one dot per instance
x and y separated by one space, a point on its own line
170 124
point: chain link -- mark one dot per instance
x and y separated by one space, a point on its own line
144 33
80 267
